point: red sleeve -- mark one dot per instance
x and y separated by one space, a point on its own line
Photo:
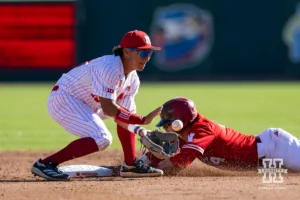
181 142
128 118
154 160
199 141
184 158
194 147
189 151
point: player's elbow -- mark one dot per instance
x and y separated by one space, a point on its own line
108 107
108 110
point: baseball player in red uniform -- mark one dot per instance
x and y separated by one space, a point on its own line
220 146
101 88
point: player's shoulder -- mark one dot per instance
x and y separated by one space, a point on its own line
107 60
200 132
202 126
200 122
135 76
107 64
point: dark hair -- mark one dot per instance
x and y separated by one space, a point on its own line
118 51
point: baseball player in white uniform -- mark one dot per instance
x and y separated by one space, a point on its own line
88 94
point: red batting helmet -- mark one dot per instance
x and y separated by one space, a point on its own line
180 108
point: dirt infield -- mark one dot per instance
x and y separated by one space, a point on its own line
197 182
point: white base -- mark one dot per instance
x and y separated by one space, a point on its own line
76 171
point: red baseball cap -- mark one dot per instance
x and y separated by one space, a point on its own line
138 40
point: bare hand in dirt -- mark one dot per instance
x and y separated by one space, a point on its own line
151 115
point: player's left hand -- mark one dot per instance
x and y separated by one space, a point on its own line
161 145
152 115
155 149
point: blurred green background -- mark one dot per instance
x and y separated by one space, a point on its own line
247 107
218 44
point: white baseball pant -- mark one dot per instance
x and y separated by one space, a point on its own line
78 118
278 143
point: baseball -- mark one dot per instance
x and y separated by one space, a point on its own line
177 125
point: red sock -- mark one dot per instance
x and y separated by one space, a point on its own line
75 149
127 140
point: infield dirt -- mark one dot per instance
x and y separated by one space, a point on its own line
197 182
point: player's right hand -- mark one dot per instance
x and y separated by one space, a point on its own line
152 115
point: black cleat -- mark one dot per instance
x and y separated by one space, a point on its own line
139 169
48 171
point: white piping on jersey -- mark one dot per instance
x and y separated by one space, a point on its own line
192 146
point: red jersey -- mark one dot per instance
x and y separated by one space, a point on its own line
217 145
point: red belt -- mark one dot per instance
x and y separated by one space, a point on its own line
55 88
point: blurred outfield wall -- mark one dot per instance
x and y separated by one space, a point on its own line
201 40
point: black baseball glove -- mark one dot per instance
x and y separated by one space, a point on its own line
161 145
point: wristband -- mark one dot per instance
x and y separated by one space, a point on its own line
135 128
128 118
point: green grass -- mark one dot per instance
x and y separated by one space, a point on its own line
247 107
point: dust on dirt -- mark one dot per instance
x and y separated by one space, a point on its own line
196 182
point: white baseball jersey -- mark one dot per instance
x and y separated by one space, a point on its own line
102 77
75 106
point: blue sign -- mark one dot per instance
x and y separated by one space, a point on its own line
185 33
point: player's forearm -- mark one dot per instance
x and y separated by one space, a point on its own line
179 161
110 108
165 165
133 128
127 117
